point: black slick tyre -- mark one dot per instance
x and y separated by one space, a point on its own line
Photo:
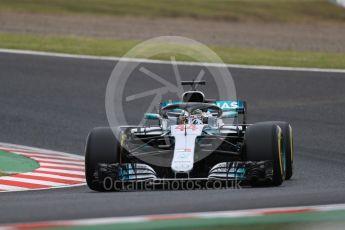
263 142
101 147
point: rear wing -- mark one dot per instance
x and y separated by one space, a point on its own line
193 84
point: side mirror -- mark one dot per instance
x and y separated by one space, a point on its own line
229 114
152 116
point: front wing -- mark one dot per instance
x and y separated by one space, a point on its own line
243 171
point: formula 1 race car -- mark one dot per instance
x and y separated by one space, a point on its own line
191 143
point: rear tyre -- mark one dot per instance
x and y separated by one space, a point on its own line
101 147
263 141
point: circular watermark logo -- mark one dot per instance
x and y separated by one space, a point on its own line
138 85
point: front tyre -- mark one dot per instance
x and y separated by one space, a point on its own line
101 147
264 142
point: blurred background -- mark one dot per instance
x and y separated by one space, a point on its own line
307 33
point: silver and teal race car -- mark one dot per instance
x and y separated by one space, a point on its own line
190 144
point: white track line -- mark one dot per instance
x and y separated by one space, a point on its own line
12 188
15 147
63 163
31 181
63 55
47 156
42 154
62 171
38 151
55 176
63 166
57 161
60 174
38 189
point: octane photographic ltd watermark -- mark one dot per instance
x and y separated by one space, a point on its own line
138 86
109 184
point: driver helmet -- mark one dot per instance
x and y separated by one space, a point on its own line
182 118
196 117
197 112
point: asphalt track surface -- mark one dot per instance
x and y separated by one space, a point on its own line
53 102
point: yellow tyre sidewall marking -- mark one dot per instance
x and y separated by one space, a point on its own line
280 152
291 144
122 142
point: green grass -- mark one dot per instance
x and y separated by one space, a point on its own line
293 221
117 48
12 163
72 45
233 10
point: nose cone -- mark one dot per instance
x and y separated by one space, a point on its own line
185 136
